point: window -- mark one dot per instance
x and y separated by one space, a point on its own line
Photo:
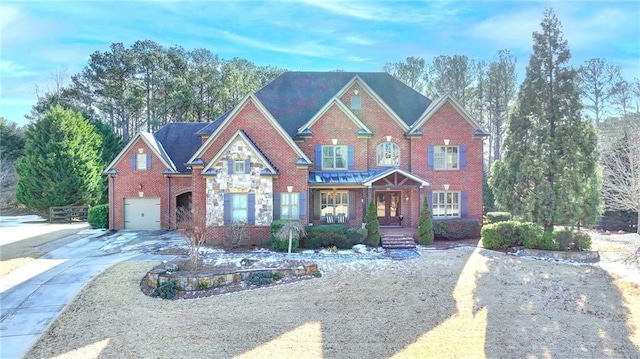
388 154
334 204
356 104
141 161
239 207
334 157
446 157
446 204
238 166
289 206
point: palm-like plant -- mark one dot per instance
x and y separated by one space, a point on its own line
290 229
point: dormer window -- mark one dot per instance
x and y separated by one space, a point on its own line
238 166
356 104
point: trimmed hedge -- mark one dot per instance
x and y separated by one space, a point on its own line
282 245
495 217
456 228
328 235
503 235
98 216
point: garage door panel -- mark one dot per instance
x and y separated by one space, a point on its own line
142 213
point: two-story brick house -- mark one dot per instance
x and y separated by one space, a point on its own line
313 146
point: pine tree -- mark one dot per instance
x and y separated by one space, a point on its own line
61 162
425 225
372 225
550 151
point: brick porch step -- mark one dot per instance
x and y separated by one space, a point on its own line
397 241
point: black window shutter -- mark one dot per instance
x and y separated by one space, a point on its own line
302 204
133 161
247 165
230 163
251 207
227 208
463 157
463 204
351 157
276 206
148 161
318 157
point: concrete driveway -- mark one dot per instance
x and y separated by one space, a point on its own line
33 295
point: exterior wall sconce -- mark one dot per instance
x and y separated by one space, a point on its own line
388 138
334 141
140 186
446 142
406 197
446 187
355 92
289 189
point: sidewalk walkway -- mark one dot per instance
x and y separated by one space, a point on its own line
32 296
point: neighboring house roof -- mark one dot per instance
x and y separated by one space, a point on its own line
180 142
294 98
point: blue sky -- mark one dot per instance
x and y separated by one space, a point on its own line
40 38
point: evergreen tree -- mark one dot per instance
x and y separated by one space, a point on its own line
61 163
372 225
550 151
425 224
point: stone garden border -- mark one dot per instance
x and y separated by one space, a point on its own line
581 256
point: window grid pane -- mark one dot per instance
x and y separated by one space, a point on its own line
141 161
446 204
334 203
334 157
446 157
239 204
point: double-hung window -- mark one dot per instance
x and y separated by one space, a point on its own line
238 166
239 207
446 157
334 203
334 157
289 205
141 161
446 204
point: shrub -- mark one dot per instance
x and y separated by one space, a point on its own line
568 240
425 225
276 276
237 234
372 225
98 216
280 245
356 235
544 241
260 278
166 290
495 217
511 233
327 235
456 228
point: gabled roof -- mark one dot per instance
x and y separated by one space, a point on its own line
269 167
179 141
229 117
151 142
378 176
294 98
435 106
335 102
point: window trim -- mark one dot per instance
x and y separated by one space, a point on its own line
284 197
381 151
141 161
345 204
344 156
446 206
445 157
233 209
237 164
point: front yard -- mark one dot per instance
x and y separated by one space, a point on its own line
447 303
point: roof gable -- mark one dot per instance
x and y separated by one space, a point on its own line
242 136
378 176
155 147
337 103
437 105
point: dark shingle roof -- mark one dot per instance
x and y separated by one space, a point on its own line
295 97
179 141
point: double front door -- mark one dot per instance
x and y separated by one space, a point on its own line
388 205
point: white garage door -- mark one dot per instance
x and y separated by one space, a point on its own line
142 213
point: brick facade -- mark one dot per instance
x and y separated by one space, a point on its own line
267 142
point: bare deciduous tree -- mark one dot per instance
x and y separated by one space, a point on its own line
192 226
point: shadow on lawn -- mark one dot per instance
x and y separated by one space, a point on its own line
543 309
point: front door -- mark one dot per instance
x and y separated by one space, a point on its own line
388 207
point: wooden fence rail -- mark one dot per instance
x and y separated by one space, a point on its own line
68 214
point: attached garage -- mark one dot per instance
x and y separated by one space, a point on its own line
142 213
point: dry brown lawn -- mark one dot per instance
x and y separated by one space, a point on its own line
466 302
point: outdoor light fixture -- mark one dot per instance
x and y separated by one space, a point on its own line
446 187
446 142
140 186
289 189
355 92
406 197
334 141
388 138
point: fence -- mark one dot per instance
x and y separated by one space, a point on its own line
68 214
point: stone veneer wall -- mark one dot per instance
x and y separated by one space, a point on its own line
252 182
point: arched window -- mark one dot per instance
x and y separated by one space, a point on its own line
388 154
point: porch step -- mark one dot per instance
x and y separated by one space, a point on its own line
397 241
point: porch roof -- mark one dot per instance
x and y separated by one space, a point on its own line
341 177
394 170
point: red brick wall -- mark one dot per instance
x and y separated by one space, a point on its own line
128 181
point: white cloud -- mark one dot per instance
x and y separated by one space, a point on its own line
8 15
10 69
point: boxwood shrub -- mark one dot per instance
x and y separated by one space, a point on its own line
568 240
508 234
456 228
328 235
98 216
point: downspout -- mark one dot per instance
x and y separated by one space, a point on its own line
169 202
112 204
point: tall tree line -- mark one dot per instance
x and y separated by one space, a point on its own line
146 85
